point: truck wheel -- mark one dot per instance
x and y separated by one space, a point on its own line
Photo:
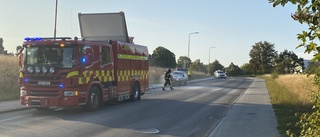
94 100
135 95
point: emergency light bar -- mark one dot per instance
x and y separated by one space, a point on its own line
40 38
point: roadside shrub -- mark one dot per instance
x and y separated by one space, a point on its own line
274 75
9 78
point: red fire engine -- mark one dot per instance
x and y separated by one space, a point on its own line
104 65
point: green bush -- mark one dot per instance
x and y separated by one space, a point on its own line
274 75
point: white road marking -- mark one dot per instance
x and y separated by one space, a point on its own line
8 119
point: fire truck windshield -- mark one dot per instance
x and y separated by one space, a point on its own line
60 57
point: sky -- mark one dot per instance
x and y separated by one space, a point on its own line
232 27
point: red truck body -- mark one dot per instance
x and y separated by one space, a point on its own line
65 72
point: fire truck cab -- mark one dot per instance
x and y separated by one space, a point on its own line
104 65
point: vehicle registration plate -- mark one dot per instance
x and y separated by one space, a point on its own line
44 83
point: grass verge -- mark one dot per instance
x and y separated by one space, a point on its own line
289 100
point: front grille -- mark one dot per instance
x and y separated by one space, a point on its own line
45 77
51 82
45 93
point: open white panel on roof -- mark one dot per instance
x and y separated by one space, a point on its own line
103 26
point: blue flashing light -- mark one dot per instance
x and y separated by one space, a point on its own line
26 80
33 39
61 85
27 39
37 38
83 60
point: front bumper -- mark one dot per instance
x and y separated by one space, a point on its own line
34 101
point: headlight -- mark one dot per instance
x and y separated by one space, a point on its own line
30 69
52 70
37 69
70 93
44 69
23 92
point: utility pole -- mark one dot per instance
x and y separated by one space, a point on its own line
55 21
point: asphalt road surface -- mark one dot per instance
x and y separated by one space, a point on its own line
193 110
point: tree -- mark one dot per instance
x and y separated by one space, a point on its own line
215 66
287 62
183 62
246 69
163 57
233 70
308 12
198 66
313 68
262 57
1 46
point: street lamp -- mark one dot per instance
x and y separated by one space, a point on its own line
55 21
209 54
189 42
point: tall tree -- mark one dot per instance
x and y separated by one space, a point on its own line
262 57
287 62
183 62
215 66
163 57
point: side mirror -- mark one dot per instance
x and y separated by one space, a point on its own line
20 57
88 51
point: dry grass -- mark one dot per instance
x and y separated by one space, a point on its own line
299 85
289 98
9 73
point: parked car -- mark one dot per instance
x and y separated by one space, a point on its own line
220 74
179 78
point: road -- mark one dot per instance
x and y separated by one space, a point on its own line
193 110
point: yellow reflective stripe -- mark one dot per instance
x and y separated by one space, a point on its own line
71 74
21 75
80 81
97 73
134 57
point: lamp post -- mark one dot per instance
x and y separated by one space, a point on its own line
55 21
189 41
209 54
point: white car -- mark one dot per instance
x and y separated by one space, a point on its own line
220 74
179 78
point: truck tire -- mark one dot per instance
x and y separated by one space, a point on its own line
94 100
135 95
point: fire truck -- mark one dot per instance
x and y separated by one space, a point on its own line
103 65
